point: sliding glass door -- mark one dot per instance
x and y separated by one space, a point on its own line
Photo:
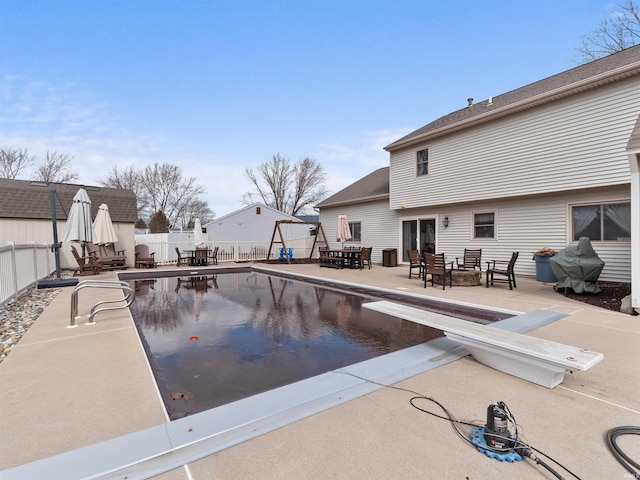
419 234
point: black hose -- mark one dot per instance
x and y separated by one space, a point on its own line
626 461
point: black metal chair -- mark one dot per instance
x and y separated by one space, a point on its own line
435 265
415 261
503 268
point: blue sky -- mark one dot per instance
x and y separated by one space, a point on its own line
218 86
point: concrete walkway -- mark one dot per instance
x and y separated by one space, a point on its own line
63 389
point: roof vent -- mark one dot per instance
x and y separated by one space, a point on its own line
470 101
490 102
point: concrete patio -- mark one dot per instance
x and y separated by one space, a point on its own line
63 389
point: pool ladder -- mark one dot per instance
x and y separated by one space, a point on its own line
128 298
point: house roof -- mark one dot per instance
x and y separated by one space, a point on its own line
634 139
585 77
31 200
254 205
374 186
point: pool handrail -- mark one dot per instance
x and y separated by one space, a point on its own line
128 298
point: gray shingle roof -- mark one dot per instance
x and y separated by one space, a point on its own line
569 82
28 199
634 140
373 186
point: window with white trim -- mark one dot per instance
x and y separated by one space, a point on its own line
422 162
484 225
355 228
608 222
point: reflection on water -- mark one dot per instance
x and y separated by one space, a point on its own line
217 339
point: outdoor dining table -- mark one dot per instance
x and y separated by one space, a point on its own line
191 254
341 258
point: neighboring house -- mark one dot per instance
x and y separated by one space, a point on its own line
25 213
253 223
540 166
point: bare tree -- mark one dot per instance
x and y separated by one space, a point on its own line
620 31
169 192
162 188
128 178
289 188
55 169
13 161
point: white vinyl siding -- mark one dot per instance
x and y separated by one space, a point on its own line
574 143
528 224
379 225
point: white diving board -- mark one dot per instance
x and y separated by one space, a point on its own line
534 359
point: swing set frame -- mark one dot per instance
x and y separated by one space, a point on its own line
277 230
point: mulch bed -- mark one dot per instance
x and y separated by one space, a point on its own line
609 297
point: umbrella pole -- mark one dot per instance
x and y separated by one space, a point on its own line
56 245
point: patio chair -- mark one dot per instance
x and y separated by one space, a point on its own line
144 259
212 256
201 256
181 260
86 265
503 268
470 260
415 261
365 257
324 256
435 265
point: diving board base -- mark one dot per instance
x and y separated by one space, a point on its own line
525 367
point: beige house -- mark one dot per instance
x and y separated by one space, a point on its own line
536 167
26 215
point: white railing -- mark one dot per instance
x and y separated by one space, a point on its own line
21 266
228 251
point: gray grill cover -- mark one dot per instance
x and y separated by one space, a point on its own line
577 268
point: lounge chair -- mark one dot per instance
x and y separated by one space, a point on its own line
435 265
503 268
144 259
86 265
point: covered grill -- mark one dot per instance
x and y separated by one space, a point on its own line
577 268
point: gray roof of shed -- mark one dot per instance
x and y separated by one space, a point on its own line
31 200
584 77
372 187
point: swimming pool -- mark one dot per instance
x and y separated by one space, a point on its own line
217 338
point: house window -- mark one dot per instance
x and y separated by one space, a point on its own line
609 222
484 225
355 231
258 211
422 162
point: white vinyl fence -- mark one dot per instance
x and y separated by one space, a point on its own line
228 251
21 266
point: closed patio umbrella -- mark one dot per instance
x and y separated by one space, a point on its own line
79 227
198 236
344 232
102 225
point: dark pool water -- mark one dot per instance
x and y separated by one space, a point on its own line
215 339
